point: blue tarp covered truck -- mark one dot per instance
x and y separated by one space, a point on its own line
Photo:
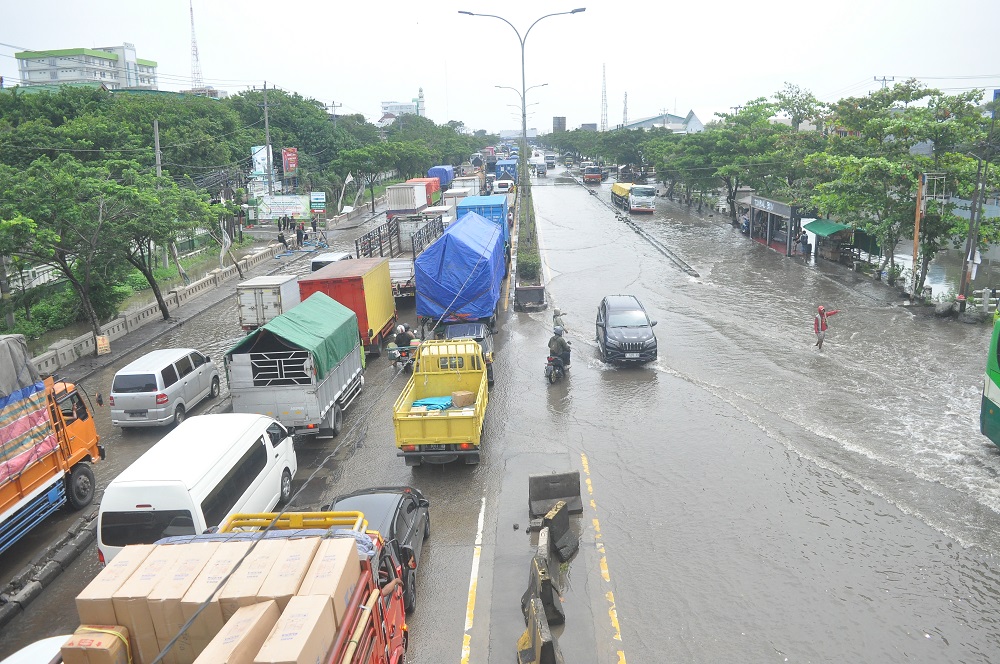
507 170
444 173
494 208
459 277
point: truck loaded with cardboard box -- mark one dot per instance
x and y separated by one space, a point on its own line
318 587
439 416
48 442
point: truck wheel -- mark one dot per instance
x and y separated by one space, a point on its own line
80 486
338 419
179 415
286 487
215 388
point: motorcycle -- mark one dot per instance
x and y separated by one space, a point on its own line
554 369
403 356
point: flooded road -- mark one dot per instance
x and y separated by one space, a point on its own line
761 499
747 498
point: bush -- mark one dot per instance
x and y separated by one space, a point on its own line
528 266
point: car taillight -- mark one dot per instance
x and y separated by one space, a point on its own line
111 400
409 448
310 426
161 399
100 557
466 446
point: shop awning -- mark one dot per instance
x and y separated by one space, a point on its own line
824 227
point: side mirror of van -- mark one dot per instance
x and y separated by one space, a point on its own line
652 323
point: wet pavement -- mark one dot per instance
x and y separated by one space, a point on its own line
749 498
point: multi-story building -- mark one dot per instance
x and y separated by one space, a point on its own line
414 107
558 124
117 67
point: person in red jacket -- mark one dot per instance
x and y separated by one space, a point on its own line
819 324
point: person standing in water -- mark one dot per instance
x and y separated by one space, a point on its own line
820 326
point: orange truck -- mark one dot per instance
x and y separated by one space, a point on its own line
48 442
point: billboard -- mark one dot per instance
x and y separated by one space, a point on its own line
259 153
317 201
273 207
289 161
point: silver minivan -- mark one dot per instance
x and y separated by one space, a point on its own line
162 387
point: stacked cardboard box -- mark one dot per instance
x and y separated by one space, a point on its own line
97 644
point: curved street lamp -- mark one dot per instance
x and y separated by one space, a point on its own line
524 90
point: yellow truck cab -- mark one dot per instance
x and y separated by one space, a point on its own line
439 416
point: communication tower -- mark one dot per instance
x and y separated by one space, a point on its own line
625 111
604 98
196 80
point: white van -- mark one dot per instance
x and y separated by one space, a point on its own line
162 387
205 470
321 261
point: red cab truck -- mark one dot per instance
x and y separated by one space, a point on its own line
364 286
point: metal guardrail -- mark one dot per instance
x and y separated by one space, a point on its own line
382 242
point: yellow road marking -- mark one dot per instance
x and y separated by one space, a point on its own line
616 632
470 605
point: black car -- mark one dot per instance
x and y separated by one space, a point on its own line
624 330
402 516
481 333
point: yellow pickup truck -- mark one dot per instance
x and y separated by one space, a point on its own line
439 416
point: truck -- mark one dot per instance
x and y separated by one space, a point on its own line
303 368
432 186
401 240
496 208
476 183
48 443
459 277
289 587
438 417
550 161
364 286
506 169
445 174
592 174
410 198
260 299
634 197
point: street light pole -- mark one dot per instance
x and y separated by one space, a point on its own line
522 40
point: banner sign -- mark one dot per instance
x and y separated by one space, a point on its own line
290 160
273 207
317 201
259 153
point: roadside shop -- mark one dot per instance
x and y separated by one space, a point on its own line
834 241
773 223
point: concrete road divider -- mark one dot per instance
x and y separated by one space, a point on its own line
544 551
544 491
564 540
540 587
537 645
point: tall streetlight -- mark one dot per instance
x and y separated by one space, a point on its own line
524 90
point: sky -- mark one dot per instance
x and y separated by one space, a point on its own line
674 57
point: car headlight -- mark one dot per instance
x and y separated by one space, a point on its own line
612 343
649 343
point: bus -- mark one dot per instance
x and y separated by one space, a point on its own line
989 412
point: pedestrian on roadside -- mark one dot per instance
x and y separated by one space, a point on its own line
819 324
281 239
299 233
804 243
314 225
557 319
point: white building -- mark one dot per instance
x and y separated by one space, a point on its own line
414 107
117 67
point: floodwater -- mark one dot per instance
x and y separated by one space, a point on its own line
762 500
747 497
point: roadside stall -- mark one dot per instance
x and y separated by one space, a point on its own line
833 240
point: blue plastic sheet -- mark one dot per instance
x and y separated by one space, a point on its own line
434 403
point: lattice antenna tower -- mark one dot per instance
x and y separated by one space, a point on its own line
604 98
197 82
625 111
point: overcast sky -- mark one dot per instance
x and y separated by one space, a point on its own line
705 57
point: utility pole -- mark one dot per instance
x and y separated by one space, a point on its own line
267 141
916 233
335 106
885 81
156 147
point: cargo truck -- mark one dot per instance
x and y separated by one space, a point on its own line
506 169
410 198
363 286
459 277
494 208
48 442
302 368
439 416
431 185
316 587
476 183
634 197
401 240
550 161
444 173
592 174
260 299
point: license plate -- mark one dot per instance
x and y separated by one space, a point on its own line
136 413
434 448
631 356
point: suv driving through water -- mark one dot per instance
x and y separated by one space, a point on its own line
624 331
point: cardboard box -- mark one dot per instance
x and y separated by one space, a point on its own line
288 570
240 639
304 632
97 644
334 573
462 398
243 586
131 609
164 601
93 604
210 621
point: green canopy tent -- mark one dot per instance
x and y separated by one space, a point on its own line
824 227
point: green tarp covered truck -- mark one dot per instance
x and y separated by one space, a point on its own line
303 368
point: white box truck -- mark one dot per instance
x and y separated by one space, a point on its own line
406 199
264 298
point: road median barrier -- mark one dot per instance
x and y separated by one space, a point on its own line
564 540
537 645
541 587
544 491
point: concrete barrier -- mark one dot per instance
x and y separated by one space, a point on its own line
541 587
563 539
544 491
537 645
